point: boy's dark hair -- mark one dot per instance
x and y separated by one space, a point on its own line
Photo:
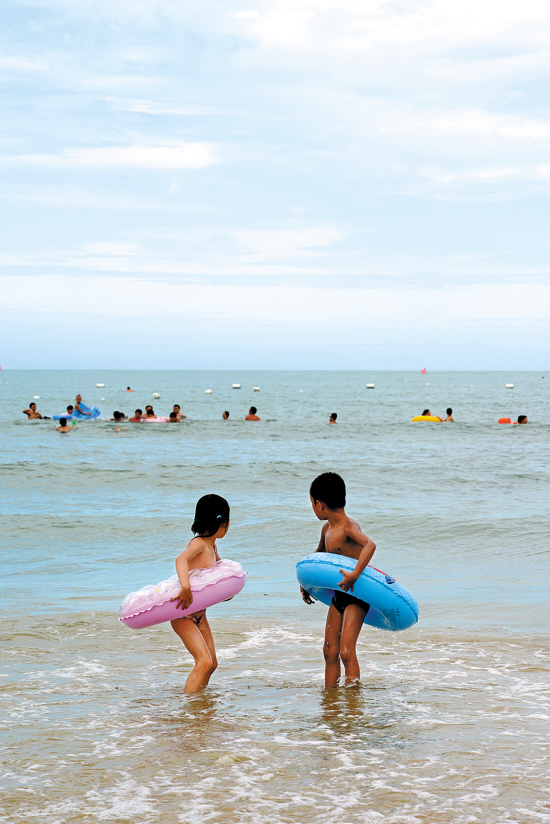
521 418
138 412
211 512
330 489
425 412
70 407
118 416
63 421
226 413
449 411
148 406
334 416
173 416
253 410
32 403
177 404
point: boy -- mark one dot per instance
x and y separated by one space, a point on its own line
252 414
346 614
333 417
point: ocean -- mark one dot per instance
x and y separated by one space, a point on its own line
452 721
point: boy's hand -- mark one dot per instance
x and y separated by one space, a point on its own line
184 599
347 581
306 597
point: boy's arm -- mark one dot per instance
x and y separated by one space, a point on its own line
306 597
185 597
352 531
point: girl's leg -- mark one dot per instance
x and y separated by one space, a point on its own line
351 627
195 643
331 648
206 632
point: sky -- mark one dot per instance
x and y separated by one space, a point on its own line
285 184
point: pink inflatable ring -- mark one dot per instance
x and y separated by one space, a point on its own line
153 605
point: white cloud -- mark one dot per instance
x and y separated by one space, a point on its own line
22 63
168 156
276 244
470 122
299 305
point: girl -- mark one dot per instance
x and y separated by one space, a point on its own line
211 522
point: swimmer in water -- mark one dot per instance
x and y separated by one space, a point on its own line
173 418
179 413
225 415
449 415
427 414
346 613
211 524
522 419
138 416
252 414
149 412
32 412
128 389
78 401
63 426
333 417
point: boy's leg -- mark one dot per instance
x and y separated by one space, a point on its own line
206 632
331 648
195 643
352 622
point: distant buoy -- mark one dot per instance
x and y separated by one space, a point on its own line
236 385
100 386
156 395
509 386
370 386
207 391
102 399
36 397
256 389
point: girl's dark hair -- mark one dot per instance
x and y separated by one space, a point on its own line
211 512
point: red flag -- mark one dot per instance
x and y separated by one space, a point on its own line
422 371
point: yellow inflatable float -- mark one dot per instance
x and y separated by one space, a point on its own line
431 418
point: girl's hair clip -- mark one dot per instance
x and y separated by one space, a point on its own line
218 517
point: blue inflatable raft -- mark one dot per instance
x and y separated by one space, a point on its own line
77 416
392 607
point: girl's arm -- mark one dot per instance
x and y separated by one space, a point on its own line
185 597
367 551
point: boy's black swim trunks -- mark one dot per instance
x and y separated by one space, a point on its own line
341 600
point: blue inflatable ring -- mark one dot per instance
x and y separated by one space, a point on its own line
392 606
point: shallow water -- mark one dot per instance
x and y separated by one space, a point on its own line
452 721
